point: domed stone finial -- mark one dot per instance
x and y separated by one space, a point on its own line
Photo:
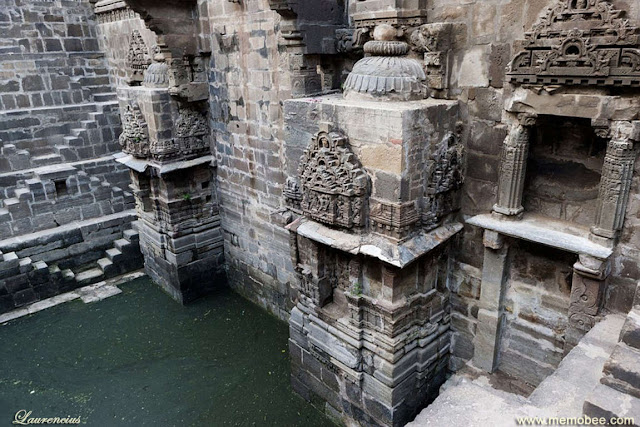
386 75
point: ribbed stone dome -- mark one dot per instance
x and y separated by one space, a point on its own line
386 75
156 75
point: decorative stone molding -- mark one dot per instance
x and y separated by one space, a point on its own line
134 138
138 58
112 11
395 220
157 75
371 13
513 166
434 42
386 74
350 40
444 176
579 42
334 185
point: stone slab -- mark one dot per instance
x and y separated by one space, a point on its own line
540 229
390 252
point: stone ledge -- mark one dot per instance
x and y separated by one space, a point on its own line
546 231
140 165
393 253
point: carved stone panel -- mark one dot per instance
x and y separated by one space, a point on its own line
579 42
334 185
443 178
134 138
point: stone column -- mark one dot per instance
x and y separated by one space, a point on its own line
513 167
490 314
615 183
587 294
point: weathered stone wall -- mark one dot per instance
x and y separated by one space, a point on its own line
49 57
248 85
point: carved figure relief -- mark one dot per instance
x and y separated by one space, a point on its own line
134 138
293 194
444 178
192 130
138 58
434 42
334 185
579 42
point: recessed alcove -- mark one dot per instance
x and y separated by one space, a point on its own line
564 169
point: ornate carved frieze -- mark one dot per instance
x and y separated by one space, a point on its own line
134 138
513 165
350 40
579 42
334 185
112 11
138 58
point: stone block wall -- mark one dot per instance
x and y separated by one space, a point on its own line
49 57
248 85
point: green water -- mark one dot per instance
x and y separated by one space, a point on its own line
139 358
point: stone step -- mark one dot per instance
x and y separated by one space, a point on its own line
4 215
68 274
47 159
631 330
66 152
609 403
89 124
73 141
108 267
22 193
114 254
104 97
622 370
131 235
11 203
90 276
79 132
123 245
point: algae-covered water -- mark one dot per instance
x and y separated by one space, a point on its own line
139 359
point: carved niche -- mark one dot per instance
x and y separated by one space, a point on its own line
579 42
444 177
134 138
334 185
138 58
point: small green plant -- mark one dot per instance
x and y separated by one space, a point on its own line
186 197
357 289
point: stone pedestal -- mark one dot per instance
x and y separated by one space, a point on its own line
167 146
377 186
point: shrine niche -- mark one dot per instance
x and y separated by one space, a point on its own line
334 185
138 58
579 42
134 138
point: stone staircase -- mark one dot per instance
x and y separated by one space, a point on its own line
56 195
618 394
470 398
25 280
95 134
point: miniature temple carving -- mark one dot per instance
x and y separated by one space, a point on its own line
334 186
134 138
138 58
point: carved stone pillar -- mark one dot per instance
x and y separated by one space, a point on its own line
513 167
490 314
587 294
615 183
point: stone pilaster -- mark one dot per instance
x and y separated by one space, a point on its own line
490 314
615 183
513 167
587 295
